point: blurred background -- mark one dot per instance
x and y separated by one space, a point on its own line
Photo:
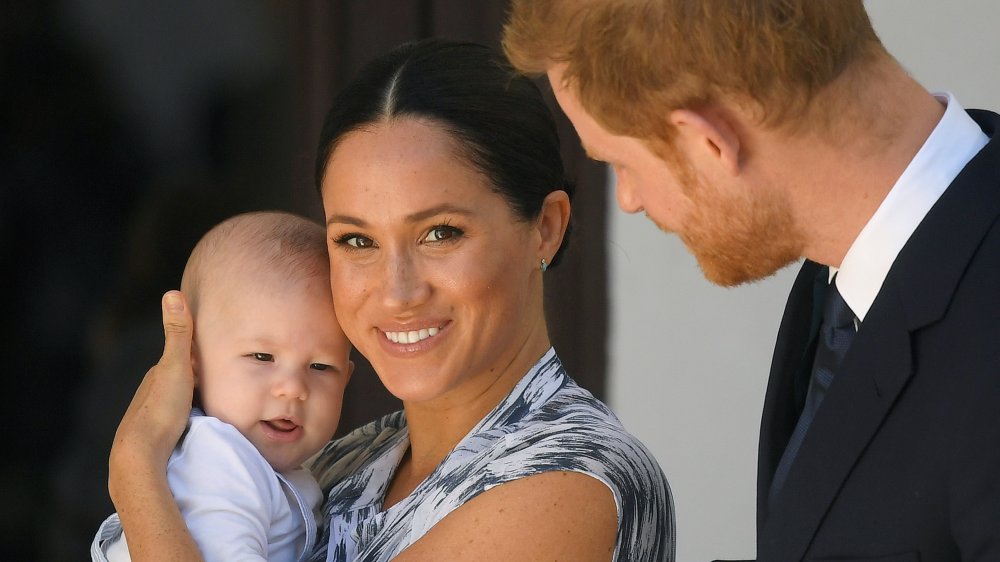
129 127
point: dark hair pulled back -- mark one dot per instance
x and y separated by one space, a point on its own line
497 117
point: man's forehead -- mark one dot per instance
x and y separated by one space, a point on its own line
587 128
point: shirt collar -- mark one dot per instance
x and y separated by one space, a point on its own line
951 145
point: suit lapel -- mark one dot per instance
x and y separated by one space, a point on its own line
871 377
876 369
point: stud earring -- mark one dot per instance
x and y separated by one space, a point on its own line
543 265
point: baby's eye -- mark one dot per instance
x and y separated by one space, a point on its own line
442 232
263 357
319 367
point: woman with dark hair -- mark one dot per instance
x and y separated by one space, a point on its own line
445 203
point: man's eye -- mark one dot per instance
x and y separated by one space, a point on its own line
263 357
319 367
441 233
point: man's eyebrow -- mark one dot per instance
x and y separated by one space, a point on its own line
445 208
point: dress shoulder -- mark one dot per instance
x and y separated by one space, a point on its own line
575 432
347 455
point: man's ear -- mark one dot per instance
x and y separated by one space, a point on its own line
709 135
553 220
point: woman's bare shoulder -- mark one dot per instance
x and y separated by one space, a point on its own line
555 515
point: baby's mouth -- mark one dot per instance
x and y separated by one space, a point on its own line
281 425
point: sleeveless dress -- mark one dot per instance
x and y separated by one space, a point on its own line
546 423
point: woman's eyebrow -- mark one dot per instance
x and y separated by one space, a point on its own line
446 208
345 219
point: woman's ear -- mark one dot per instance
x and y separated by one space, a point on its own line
709 137
553 220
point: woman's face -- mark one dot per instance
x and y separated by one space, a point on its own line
435 280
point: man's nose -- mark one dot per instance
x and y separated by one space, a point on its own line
627 195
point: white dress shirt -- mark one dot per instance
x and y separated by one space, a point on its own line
951 145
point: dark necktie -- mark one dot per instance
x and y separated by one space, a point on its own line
835 335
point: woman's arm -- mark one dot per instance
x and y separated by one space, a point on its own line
148 432
551 516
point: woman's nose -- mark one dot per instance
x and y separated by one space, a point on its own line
404 286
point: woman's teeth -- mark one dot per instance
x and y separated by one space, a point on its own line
412 336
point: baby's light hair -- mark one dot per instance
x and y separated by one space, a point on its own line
279 245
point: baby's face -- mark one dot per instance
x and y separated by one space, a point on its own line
274 364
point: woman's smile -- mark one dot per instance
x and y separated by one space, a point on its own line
412 336
407 342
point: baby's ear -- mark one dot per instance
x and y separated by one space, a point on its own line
350 368
194 361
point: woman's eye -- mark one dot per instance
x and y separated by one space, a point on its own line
263 357
441 233
319 367
356 241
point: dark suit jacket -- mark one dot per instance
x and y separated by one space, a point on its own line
902 462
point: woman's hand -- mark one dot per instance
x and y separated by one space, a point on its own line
155 419
146 436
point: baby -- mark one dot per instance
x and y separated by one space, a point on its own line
271 364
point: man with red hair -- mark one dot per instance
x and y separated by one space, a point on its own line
765 132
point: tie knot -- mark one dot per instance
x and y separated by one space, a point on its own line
836 313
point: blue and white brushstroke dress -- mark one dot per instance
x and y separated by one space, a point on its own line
546 423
